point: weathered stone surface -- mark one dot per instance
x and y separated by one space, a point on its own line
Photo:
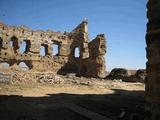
90 63
153 64
5 78
50 79
118 73
127 75
141 74
30 77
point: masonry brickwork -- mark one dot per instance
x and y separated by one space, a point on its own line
90 63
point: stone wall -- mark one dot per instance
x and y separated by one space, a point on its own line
122 74
5 78
153 63
90 62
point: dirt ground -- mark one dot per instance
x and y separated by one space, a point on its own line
114 101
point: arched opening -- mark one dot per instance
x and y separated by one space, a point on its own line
55 49
14 44
5 65
76 52
24 46
1 42
44 50
23 66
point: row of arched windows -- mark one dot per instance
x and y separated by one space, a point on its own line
44 50
25 45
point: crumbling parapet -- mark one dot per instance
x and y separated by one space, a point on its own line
12 37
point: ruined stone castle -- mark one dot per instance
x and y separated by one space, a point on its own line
89 63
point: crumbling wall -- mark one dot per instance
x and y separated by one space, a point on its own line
12 38
97 50
153 63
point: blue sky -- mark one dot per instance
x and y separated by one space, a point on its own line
122 21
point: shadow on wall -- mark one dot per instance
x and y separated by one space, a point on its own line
122 105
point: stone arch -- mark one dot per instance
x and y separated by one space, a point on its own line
23 66
5 64
14 43
75 46
25 46
26 63
56 48
44 50
76 52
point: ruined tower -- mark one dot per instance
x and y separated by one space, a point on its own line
89 63
152 93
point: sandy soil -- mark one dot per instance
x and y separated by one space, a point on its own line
42 90
116 101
